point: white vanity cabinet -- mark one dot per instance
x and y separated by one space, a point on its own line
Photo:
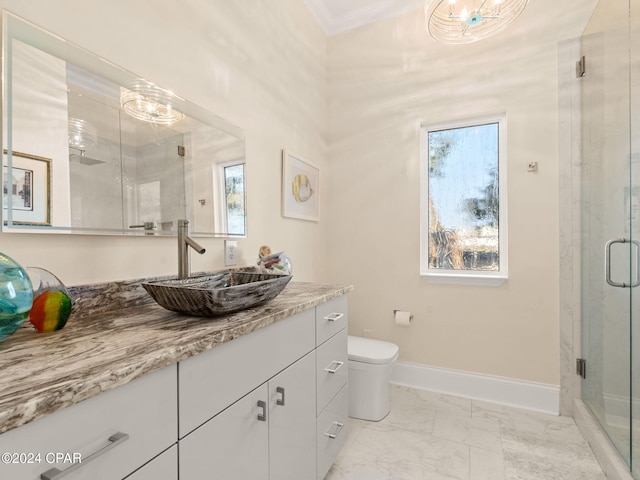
211 381
266 405
267 434
253 408
332 382
125 428
233 395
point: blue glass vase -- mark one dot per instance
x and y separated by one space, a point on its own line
16 296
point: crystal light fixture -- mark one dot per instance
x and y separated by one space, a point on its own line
466 21
82 135
147 102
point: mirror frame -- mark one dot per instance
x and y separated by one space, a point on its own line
18 28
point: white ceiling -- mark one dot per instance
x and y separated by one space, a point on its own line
339 15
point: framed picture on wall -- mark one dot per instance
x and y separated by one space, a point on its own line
28 190
300 188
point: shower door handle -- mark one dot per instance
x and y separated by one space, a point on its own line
607 262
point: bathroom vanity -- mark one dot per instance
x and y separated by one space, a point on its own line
259 394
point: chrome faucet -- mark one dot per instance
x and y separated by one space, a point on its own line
184 242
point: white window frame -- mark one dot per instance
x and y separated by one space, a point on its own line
221 218
464 277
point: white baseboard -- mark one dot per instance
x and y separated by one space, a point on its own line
538 397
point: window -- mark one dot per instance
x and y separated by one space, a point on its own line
231 212
463 201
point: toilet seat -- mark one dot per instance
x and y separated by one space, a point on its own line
368 350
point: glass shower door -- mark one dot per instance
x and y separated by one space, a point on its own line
633 218
608 252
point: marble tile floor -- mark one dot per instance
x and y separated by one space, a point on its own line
429 436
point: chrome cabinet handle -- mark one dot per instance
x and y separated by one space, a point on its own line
607 262
336 431
280 401
262 416
56 474
334 370
334 317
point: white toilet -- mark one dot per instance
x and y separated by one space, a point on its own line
370 366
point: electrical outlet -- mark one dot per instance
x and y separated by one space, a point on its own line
230 252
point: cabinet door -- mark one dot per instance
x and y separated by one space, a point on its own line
233 445
292 422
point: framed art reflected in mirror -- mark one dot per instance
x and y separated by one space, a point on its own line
26 189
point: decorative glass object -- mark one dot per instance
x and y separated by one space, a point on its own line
277 263
51 301
16 296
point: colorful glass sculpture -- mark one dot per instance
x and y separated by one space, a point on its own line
16 296
52 302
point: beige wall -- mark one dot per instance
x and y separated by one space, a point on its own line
259 64
384 80
611 15
263 65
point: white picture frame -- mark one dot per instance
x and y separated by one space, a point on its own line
300 188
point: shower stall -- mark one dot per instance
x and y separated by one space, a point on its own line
609 104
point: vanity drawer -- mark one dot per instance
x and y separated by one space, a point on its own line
213 380
164 466
331 369
331 317
331 431
144 409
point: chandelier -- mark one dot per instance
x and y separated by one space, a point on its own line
467 21
145 101
82 135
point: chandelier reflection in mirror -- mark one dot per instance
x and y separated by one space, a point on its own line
82 135
467 21
145 101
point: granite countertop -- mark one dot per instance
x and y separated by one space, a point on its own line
103 347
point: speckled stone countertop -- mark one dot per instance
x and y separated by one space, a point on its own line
115 334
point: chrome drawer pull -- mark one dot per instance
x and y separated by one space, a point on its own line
334 370
56 474
338 429
262 416
334 317
280 401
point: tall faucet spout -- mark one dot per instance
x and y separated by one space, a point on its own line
184 242
195 245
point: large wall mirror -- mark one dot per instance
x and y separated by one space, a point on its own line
91 148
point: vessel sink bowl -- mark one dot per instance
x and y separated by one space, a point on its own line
216 294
